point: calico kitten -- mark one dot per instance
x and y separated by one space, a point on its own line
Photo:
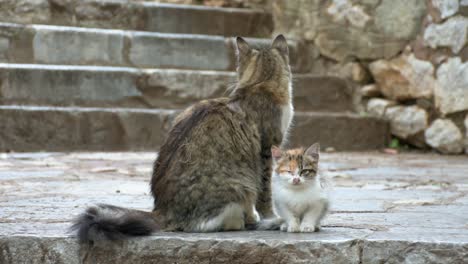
215 166
298 197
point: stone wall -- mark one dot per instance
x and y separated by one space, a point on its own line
409 58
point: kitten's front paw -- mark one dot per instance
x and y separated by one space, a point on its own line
293 229
308 229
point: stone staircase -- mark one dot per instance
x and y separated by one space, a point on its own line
111 75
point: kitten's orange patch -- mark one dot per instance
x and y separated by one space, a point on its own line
290 160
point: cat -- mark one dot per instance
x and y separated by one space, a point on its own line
214 169
298 198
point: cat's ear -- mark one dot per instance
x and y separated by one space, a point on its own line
275 152
243 47
313 151
281 44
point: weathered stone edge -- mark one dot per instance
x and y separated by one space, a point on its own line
40 44
77 128
90 86
145 16
167 248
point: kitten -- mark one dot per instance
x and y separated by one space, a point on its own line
298 197
215 166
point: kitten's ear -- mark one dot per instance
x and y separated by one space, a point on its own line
275 152
243 47
313 151
281 44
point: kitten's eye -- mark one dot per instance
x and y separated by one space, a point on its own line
286 171
307 172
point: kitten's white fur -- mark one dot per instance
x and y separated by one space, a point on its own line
302 206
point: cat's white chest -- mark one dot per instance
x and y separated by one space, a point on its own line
287 113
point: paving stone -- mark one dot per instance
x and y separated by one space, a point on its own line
152 88
422 226
140 15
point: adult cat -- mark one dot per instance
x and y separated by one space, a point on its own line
214 169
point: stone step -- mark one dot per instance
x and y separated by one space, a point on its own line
46 44
38 128
91 86
406 208
142 16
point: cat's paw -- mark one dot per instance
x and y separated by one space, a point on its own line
308 229
284 227
252 219
293 229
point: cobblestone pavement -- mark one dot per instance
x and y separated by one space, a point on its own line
405 208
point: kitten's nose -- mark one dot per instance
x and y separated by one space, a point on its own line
296 181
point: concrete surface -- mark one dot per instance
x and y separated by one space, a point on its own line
406 208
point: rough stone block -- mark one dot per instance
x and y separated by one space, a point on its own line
444 136
446 7
62 45
377 107
452 33
343 29
350 131
404 77
451 91
64 85
321 93
204 20
25 11
179 51
406 121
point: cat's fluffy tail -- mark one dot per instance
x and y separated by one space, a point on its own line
108 222
267 224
